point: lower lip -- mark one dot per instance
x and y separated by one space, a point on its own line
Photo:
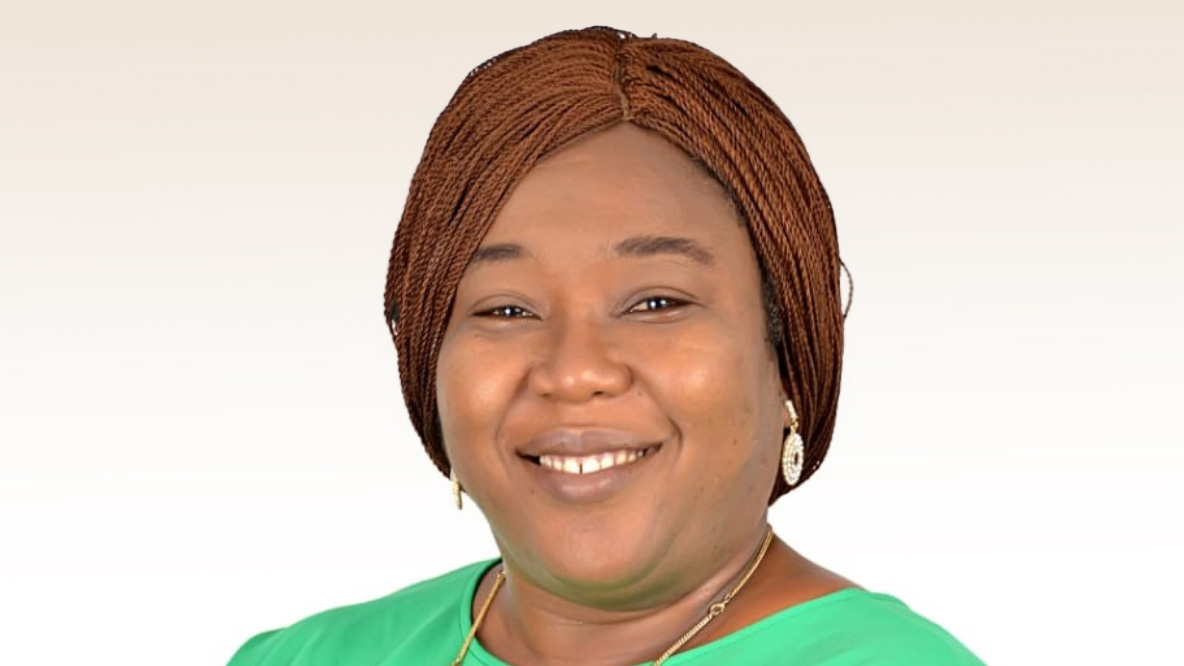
592 487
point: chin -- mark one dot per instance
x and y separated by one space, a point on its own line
597 560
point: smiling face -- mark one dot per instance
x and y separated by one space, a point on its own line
606 392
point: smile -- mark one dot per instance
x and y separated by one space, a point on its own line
594 463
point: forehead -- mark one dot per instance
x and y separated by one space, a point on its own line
617 183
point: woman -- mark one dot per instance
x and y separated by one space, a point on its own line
615 297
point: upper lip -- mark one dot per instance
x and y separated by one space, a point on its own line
582 442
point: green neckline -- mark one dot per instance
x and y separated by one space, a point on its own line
478 651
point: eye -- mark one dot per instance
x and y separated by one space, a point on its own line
657 303
505 312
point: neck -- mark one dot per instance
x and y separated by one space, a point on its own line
530 624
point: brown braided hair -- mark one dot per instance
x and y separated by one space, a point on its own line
519 106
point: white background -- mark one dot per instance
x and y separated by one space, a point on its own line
201 426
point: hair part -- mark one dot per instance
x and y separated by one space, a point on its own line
521 105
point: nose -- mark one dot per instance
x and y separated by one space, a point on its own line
576 364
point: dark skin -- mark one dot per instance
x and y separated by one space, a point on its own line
575 318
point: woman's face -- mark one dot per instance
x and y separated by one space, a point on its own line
605 388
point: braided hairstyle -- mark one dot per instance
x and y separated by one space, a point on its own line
519 106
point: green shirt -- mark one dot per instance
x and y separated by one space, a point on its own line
425 624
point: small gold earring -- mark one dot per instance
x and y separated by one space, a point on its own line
793 450
455 489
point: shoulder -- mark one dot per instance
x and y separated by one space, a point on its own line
358 631
859 626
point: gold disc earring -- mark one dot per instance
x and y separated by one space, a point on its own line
793 450
455 489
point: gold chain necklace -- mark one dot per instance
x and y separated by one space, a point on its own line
713 612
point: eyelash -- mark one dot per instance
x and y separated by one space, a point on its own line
674 303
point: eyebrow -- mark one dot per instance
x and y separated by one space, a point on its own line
647 246
635 247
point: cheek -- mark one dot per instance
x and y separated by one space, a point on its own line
721 395
710 388
473 387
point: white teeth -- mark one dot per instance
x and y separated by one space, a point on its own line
589 464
